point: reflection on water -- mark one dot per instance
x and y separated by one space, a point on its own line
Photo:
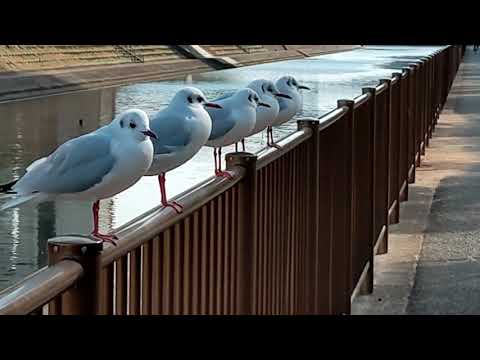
31 129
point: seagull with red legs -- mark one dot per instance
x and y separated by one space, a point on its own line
289 107
266 116
91 167
185 126
233 122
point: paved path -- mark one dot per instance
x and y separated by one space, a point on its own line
433 265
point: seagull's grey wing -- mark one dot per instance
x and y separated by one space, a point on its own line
222 122
75 166
174 130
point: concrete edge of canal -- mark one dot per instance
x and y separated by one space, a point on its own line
23 85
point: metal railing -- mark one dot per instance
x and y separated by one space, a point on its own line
294 232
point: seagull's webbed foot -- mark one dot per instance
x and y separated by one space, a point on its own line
105 238
221 173
276 146
174 205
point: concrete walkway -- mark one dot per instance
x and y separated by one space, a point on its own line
433 262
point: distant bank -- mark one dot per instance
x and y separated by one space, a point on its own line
28 71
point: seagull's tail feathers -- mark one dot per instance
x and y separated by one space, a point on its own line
7 188
21 199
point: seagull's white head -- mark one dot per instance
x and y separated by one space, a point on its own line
193 97
248 97
290 84
133 123
267 88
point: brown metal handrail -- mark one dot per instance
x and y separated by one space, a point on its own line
159 219
381 88
361 99
330 118
39 288
268 155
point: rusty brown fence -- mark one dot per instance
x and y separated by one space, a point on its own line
294 232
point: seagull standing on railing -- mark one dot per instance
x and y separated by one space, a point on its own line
288 107
233 122
269 94
93 167
185 126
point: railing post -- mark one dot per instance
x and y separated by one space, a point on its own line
411 123
417 116
389 158
403 118
82 298
318 260
428 99
367 287
248 227
342 251
398 181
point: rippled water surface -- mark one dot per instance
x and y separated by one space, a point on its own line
33 128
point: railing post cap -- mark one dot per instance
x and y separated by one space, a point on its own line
397 74
73 240
387 81
240 159
345 102
371 90
311 123
73 247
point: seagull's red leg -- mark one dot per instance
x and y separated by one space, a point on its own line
95 232
163 193
215 159
218 171
270 142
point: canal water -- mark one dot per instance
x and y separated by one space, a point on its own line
33 128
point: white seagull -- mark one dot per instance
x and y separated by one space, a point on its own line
185 127
233 122
267 92
266 117
288 107
93 166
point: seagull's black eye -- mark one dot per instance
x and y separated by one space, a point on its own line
190 100
133 125
200 99
270 89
